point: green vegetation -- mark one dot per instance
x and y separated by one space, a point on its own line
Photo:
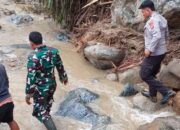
65 12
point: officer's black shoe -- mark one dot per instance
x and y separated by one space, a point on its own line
166 97
147 94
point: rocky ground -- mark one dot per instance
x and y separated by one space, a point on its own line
90 101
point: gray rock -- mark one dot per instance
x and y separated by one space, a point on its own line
176 103
11 56
6 50
21 19
1 59
171 11
130 76
102 122
129 90
144 104
21 46
9 12
102 56
162 123
95 80
7 2
169 79
75 106
112 77
126 12
4 127
141 86
63 36
20 1
31 1
100 64
83 95
174 67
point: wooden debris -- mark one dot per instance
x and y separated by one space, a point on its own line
90 3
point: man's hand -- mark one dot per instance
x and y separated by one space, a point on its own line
147 53
65 82
28 98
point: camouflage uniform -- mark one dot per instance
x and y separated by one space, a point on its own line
41 83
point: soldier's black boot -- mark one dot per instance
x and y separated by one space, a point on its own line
49 124
147 94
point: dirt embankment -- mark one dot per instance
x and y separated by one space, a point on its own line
123 38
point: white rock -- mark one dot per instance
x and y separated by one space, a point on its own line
112 77
11 56
6 50
130 76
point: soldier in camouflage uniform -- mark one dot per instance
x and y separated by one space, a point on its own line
41 83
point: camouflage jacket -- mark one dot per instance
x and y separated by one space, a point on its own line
40 67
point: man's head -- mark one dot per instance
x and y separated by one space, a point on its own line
35 39
147 8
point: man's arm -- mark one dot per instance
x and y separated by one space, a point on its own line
156 34
31 75
60 68
5 75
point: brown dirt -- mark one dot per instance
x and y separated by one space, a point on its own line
124 38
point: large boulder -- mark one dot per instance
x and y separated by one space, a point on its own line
169 75
126 12
162 123
76 106
174 67
176 103
130 76
144 104
102 56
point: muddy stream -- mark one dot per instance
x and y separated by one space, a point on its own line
81 75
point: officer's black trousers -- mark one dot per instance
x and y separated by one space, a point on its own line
149 69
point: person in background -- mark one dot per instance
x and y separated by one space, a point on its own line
156 36
6 103
41 83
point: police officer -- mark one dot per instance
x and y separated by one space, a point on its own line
41 83
156 36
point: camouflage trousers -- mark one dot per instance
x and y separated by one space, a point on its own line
42 107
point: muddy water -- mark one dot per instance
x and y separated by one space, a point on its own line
81 74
